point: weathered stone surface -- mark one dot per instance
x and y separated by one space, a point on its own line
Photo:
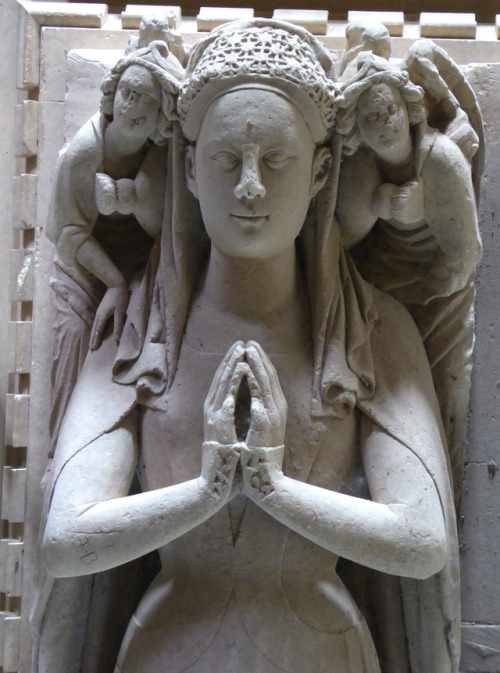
447 24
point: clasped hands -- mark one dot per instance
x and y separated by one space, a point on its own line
251 464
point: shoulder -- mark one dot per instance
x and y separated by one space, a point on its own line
443 158
86 145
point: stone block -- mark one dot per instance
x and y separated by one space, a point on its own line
21 275
211 17
19 358
479 526
448 24
27 126
24 202
11 552
13 494
314 20
131 17
393 21
10 624
17 415
480 648
82 14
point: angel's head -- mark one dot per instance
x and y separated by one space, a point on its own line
140 92
378 105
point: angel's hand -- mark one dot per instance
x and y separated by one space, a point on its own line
407 203
382 201
106 194
113 305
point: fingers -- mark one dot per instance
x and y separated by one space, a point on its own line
98 327
266 375
224 374
119 321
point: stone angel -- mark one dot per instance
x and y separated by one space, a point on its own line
407 205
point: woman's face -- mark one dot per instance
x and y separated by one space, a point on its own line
137 103
382 119
253 171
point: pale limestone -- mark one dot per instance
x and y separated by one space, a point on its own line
132 15
448 24
274 497
24 201
19 361
9 638
21 275
314 20
211 17
393 21
13 491
27 123
86 15
466 51
16 431
11 566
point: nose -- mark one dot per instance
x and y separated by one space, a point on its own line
130 98
250 185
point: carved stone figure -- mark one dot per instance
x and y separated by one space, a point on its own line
107 206
279 409
410 187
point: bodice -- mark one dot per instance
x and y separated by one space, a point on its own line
242 593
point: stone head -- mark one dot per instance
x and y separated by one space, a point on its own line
148 77
257 108
378 94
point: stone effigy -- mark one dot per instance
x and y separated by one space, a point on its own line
278 408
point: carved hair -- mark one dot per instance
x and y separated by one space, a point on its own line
167 71
260 53
372 70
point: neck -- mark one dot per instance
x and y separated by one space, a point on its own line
260 299
251 288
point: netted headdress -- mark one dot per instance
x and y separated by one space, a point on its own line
264 53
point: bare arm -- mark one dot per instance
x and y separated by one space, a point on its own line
93 524
400 531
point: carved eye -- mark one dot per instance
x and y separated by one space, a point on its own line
226 159
372 117
277 159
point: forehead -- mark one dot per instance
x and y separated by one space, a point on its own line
379 95
249 113
139 77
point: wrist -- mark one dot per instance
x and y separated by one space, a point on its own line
262 470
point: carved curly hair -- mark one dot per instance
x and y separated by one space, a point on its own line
372 70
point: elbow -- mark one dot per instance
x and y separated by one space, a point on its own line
65 555
428 554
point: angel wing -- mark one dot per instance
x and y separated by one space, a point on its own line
450 100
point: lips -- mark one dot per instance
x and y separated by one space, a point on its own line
250 223
133 121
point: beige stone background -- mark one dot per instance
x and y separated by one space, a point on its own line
35 41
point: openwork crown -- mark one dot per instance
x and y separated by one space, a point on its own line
273 53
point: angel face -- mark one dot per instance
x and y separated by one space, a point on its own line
137 103
253 172
382 119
